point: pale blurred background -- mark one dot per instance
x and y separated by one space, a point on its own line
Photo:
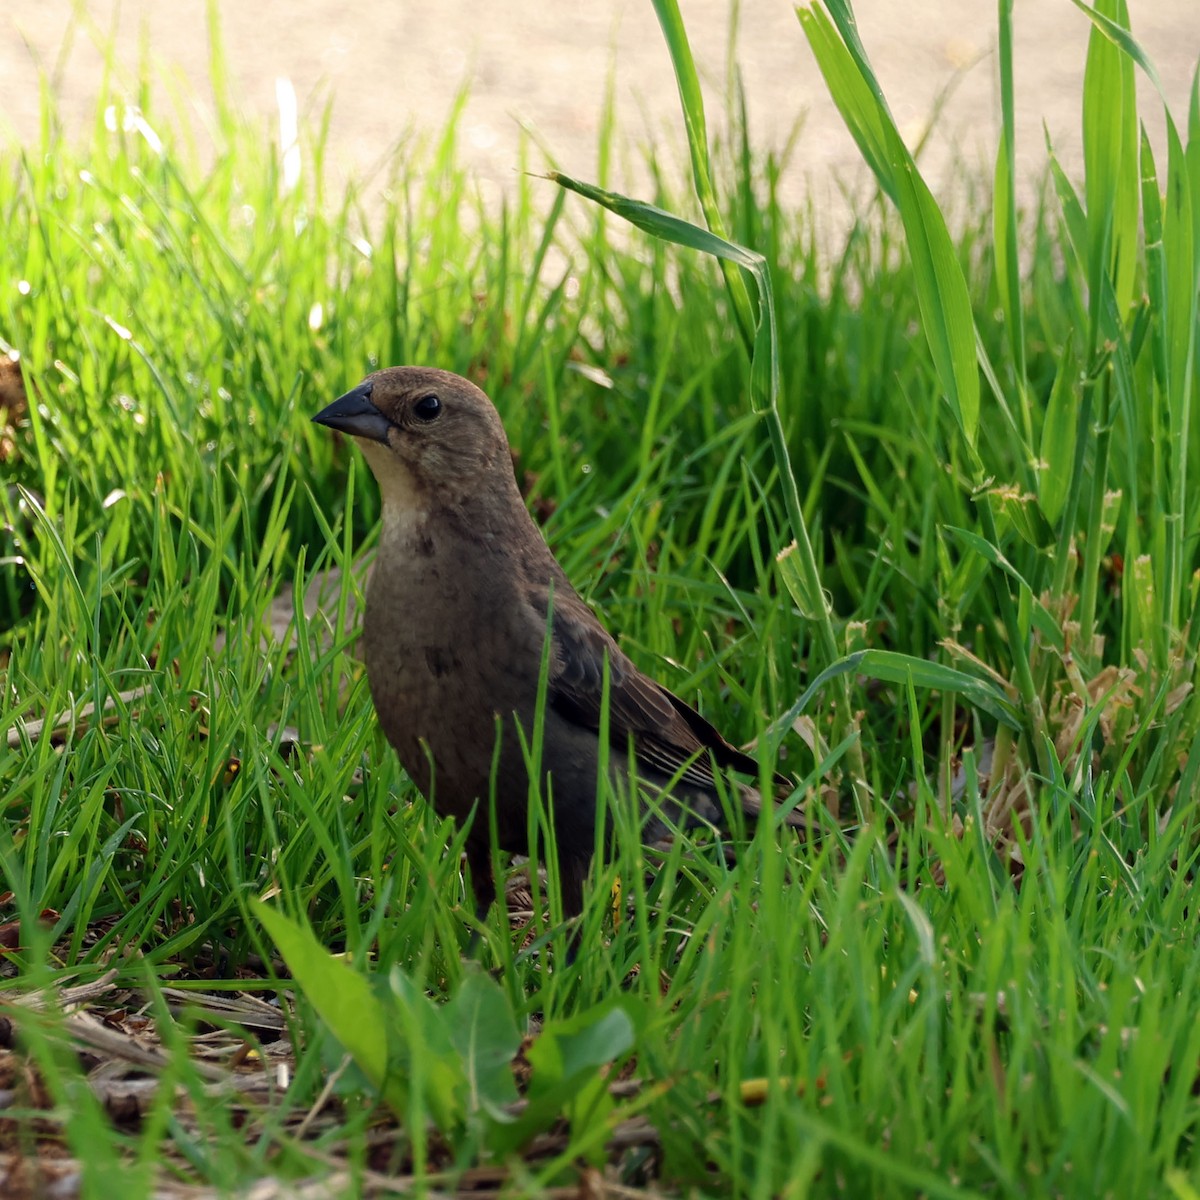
545 65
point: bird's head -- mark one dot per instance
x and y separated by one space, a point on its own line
423 431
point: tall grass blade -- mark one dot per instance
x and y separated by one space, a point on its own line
941 287
691 101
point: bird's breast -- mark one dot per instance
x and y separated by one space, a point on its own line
439 628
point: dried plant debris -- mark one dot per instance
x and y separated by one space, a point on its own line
67 725
244 1064
1089 717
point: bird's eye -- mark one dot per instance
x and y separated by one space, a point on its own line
428 408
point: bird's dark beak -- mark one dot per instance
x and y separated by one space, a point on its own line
354 414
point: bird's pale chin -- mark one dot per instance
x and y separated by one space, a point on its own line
397 488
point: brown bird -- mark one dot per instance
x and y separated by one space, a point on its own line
463 591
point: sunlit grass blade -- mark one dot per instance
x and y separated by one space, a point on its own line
947 319
941 288
1110 145
1005 230
691 102
1172 273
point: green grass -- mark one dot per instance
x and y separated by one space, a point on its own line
978 663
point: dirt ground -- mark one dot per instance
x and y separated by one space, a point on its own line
545 66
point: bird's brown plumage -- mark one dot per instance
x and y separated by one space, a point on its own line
458 605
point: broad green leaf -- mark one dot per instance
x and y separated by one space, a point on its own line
1193 161
566 1060
424 1050
482 1029
1120 36
1179 251
584 1042
854 91
343 999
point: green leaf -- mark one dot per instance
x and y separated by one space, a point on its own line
764 367
1179 250
584 1042
1120 36
1156 267
567 1080
855 93
343 999
1193 163
1111 166
1004 210
1073 215
764 392
425 1052
482 1029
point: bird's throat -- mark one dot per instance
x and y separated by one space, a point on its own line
405 507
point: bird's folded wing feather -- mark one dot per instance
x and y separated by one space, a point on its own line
667 735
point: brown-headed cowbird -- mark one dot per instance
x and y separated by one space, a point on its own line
463 591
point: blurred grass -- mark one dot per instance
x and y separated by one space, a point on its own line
977 989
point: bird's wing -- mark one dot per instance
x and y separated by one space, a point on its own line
668 735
